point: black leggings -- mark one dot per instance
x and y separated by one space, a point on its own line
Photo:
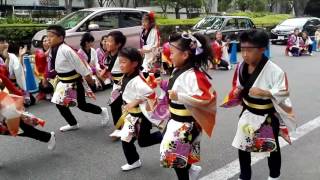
183 173
82 105
274 161
116 109
31 132
145 139
223 64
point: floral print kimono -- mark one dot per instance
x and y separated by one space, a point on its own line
193 111
260 115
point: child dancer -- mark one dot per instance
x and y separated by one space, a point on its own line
135 93
262 88
13 119
71 71
192 105
89 54
115 41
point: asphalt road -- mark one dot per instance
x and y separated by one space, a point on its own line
89 154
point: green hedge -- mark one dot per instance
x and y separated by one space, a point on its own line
261 19
19 34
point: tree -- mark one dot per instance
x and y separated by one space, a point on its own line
88 3
299 6
102 2
205 5
280 6
243 5
164 6
224 5
177 5
109 2
124 3
191 5
68 6
258 5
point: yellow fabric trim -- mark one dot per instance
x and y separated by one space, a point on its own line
134 110
116 78
258 106
179 112
69 77
121 120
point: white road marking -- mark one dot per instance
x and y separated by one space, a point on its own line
232 169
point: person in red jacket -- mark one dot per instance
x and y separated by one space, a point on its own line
41 70
220 52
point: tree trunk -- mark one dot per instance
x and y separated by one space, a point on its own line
164 9
299 7
188 13
135 3
89 3
109 2
176 10
68 6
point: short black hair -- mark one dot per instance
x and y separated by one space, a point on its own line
257 37
3 38
86 37
119 38
57 29
132 54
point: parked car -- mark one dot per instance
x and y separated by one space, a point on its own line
230 26
282 31
99 21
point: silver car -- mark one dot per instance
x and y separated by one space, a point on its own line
99 21
283 30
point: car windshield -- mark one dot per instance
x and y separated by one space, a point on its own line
294 22
212 22
73 19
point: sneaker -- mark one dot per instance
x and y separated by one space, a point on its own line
229 67
69 128
194 172
310 54
128 167
115 135
290 54
105 116
52 142
48 97
270 178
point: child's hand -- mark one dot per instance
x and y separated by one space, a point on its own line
173 95
254 91
236 92
22 51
